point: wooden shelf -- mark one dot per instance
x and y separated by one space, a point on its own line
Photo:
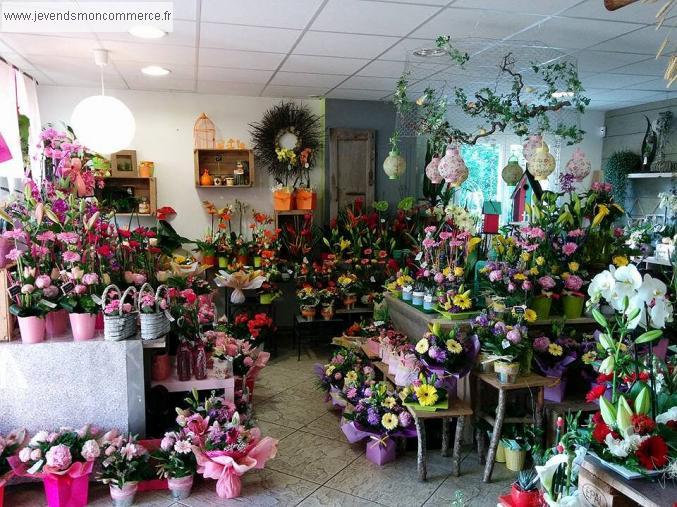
224 186
141 187
206 158
639 176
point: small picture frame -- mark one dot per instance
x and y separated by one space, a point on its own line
123 164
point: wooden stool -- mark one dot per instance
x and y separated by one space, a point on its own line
529 382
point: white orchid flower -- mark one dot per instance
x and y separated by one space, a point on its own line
628 280
661 313
602 286
652 288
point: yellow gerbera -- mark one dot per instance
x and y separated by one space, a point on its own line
574 266
462 301
520 277
555 350
454 347
530 315
426 395
540 260
422 346
458 271
389 421
525 256
351 376
389 402
620 260
533 271
589 357
565 275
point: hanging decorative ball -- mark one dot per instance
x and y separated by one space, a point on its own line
530 145
542 163
394 165
512 172
432 171
578 165
452 167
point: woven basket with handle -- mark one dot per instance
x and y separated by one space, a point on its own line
153 325
123 325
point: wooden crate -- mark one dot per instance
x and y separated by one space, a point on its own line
598 493
223 168
141 187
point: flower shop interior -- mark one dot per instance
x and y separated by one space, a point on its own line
198 307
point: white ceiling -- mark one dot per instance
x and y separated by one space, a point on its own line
352 49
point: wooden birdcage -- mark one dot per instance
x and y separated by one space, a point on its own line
204 133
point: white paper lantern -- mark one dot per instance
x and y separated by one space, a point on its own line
432 171
542 163
578 165
394 165
103 124
529 146
452 167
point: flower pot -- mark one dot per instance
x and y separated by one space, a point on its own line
541 305
482 365
222 368
124 496
305 199
521 498
507 372
209 259
223 261
428 303
180 487
556 393
257 261
146 169
514 460
573 306
83 325
161 367
32 329
243 260
500 453
327 312
308 312
56 323
282 200
406 294
417 298
266 299
64 491
5 247
349 300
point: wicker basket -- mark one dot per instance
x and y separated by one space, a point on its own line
153 325
121 326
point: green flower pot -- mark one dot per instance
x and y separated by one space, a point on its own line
541 305
223 262
266 299
573 306
257 262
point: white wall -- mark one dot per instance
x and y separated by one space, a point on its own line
164 134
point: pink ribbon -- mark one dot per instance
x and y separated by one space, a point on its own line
77 469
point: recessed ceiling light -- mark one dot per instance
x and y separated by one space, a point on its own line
562 95
155 70
428 52
147 32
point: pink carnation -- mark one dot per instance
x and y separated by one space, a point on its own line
573 282
495 275
546 282
59 457
90 279
69 256
569 248
576 233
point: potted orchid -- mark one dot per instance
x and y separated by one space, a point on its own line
176 463
125 464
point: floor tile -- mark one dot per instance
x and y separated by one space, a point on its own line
327 497
259 487
289 409
269 429
326 426
394 484
312 457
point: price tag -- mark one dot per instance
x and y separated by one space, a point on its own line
14 290
418 256
169 316
505 344
96 299
520 310
67 287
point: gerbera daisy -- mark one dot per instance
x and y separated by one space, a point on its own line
589 357
555 350
389 402
462 301
351 376
389 421
426 395
529 315
422 346
454 347
653 453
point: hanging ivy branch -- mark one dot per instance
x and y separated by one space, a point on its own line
498 111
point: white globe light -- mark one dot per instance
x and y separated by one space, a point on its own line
103 124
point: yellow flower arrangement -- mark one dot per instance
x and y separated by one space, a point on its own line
454 347
389 402
458 271
389 421
463 300
555 350
620 261
574 266
426 394
422 346
351 376
589 357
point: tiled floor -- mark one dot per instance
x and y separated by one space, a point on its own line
315 466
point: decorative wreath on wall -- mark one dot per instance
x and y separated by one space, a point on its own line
287 140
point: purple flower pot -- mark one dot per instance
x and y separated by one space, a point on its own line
381 451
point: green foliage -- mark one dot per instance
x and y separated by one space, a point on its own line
616 171
482 163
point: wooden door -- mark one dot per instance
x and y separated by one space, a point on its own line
351 167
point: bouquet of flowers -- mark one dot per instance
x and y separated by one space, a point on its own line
424 394
503 343
356 383
455 301
333 374
126 463
176 462
228 451
257 328
9 446
513 283
307 296
553 356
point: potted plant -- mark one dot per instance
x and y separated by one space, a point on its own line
515 452
552 358
348 287
268 293
207 247
28 306
524 491
125 464
81 302
282 198
308 301
504 345
327 299
542 303
176 463
9 447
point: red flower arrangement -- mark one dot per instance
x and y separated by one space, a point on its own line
595 393
652 453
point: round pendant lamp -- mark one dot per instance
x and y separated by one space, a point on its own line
394 165
542 163
103 123
579 165
452 167
432 170
512 172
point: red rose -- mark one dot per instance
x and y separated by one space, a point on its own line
124 233
595 393
600 432
105 251
653 453
241 318
642 424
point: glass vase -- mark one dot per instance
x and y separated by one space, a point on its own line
184 358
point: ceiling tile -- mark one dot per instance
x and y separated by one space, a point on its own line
322 64
234 75
344 93
310 80
293 91
150 54
80 46
657 85
600 61
645 41
239 59
402 51
613 81
417 2
183 35
69 71
473 23
355 16
383 68
545 7
639 12
648 67
271 13
631 95
227 88
247 38
160 84
370 83
576 33
343 44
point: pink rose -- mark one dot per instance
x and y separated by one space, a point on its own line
80 289
90 450
59 457
139 279
90 279
51 291
248 362
43 281
27 289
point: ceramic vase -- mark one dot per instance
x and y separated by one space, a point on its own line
32 329
83 326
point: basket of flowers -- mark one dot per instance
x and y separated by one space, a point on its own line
119 316
151 306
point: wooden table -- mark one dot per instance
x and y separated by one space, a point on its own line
372 356
602 487
529 382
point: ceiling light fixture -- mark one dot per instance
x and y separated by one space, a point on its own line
429 52
147 32
103 123
562 95
155 70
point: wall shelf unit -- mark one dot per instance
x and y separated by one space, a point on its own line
117 188
222 164
641 176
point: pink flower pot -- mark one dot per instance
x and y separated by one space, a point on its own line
66 491
123 497
56 323
32 329
180 488
83 326
99 321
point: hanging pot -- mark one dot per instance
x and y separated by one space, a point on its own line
432 170
512 172
394 165
578 165
452 167
542 164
